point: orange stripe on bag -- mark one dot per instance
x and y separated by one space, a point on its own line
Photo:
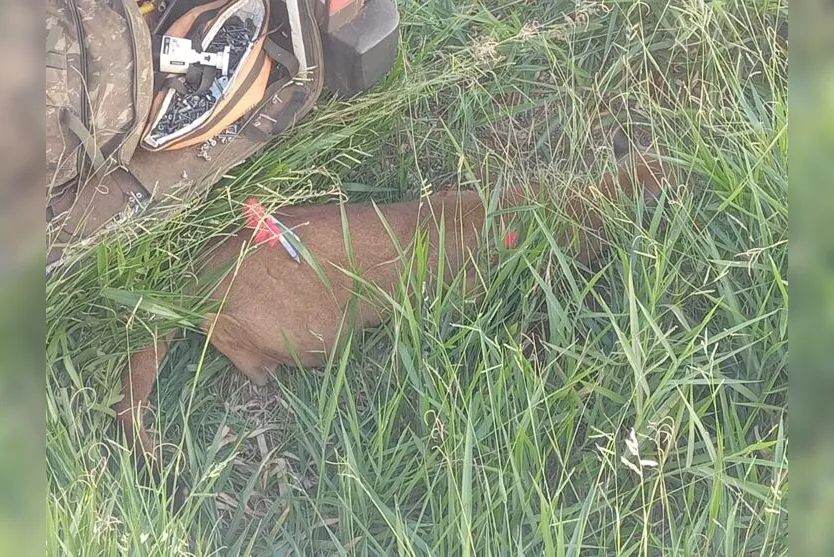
247 82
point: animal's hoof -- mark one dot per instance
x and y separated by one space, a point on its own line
178 491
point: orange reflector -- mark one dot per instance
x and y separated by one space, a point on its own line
337 5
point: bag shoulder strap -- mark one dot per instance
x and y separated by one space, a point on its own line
77 127
281 56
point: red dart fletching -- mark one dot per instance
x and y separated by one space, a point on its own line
510 239
265 229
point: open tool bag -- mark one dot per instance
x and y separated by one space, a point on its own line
189 111
123 135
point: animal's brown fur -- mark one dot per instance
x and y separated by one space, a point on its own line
278 312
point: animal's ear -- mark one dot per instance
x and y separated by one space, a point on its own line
620 142
643 172
631 137
639 167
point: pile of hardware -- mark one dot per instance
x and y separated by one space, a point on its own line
235 34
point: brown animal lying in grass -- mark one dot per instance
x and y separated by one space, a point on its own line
294 318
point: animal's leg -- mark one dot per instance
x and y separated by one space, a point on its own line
137 383
233 341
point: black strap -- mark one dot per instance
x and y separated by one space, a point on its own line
200 78
281 56
198 82
207 75
176 84
198 27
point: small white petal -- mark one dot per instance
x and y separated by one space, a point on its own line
631 466
631 443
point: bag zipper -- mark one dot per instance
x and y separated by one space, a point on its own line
85 101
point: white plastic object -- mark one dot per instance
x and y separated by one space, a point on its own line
176 55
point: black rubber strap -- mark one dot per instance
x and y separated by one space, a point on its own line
281 56
206 79
198 28
194 76
176 84
198 83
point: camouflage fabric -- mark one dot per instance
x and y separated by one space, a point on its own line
99 84
63 90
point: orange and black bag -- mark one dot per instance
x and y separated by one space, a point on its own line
222 99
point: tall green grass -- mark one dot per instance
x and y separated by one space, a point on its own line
636 407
